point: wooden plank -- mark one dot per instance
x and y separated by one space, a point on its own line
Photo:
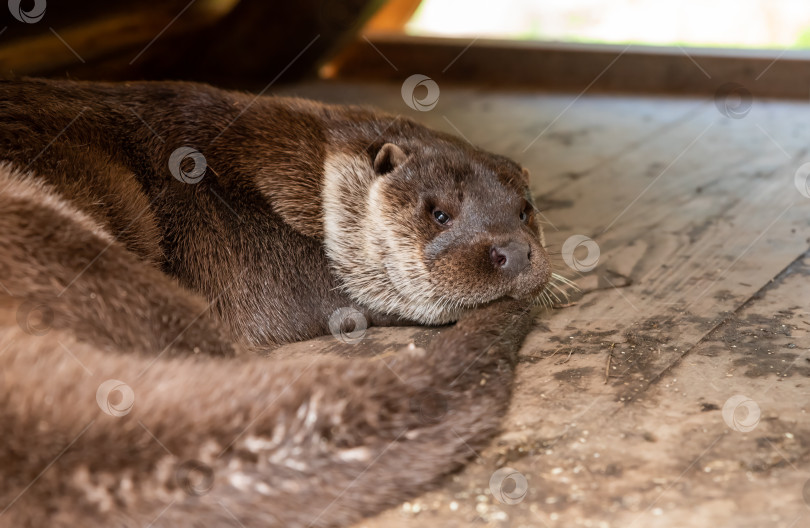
226 42
694 211
392 16
31 50
575 67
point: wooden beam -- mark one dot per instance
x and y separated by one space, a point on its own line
393 16
576 67
43 49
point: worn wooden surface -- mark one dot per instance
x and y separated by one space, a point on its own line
700 294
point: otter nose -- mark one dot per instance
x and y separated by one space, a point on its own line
511 258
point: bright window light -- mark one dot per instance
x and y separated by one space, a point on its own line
709 23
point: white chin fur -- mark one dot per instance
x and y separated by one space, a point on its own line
376 268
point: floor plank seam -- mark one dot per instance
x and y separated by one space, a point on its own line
731 314
633 146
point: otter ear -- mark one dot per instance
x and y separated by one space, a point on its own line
525 173
388 158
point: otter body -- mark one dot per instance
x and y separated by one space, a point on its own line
167 230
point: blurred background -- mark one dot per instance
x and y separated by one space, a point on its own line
553 44
715 23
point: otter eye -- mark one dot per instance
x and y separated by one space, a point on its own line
524 216
441 216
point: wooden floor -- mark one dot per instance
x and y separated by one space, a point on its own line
701 294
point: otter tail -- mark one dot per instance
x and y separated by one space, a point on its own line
92 438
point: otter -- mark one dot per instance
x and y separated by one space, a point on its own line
158 238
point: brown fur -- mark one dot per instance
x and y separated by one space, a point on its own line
165 285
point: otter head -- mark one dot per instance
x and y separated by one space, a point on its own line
429 229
